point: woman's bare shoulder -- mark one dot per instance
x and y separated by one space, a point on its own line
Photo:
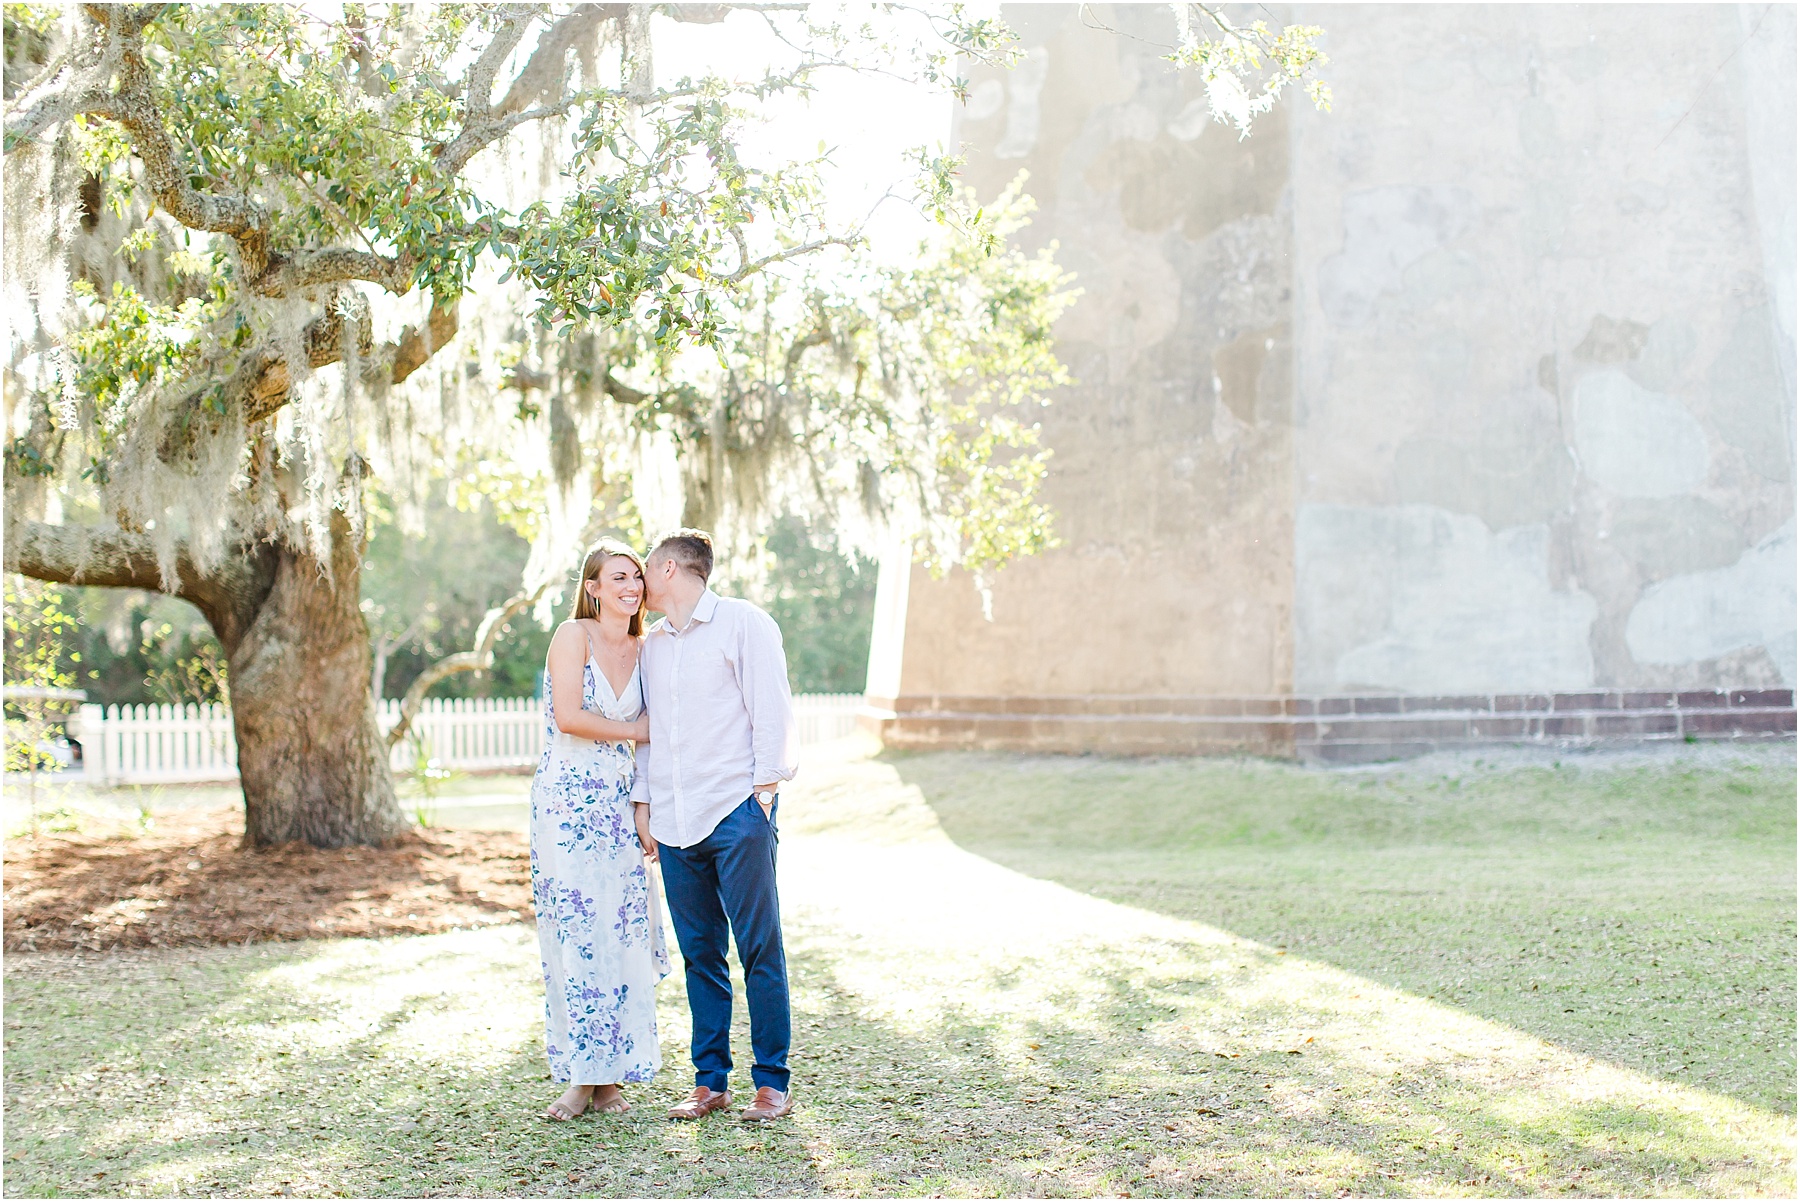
568 631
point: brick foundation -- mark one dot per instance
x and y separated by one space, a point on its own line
1329 729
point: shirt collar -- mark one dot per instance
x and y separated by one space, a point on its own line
703 612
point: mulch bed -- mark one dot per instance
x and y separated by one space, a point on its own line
190 881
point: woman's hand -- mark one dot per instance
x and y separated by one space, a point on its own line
645 839
640 730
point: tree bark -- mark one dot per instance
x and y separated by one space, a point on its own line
313 763
311 760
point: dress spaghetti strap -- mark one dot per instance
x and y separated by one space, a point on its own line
589 639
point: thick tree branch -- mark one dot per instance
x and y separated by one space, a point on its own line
334 265
624 393
133 105
480 659
228 593
74 83
263 380
47 74
120 88
526 379
541 80
416 346
819 335
262 383
478 84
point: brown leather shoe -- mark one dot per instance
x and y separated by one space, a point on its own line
700 1103
770 1103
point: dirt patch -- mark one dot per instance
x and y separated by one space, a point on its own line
190 882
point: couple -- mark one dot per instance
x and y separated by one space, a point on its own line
705 690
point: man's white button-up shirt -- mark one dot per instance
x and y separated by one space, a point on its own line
721 718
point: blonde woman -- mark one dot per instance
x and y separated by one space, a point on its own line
600 930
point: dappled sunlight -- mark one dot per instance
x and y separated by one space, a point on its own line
961 1028
1640 910
451 1003
1113 1002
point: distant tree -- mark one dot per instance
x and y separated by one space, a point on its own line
40 676
427 588
823 598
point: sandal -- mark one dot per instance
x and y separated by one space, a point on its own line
613 1105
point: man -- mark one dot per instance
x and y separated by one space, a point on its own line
716 688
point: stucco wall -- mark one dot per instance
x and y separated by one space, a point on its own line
1543 430
1482 383
1173 451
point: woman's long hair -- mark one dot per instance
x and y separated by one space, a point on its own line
598 554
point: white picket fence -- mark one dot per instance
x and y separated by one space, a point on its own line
150 744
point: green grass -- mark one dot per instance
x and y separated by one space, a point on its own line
1642 911
1317 983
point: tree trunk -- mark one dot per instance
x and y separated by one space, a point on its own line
313 765
312 761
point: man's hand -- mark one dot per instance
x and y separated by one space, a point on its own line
641 813
761 791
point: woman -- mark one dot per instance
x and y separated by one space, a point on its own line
599 928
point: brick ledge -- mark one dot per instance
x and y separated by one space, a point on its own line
1328 728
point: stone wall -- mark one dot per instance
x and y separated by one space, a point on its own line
1481 384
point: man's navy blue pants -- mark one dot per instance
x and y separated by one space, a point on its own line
725 884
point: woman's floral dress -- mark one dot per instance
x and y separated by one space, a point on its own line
600 928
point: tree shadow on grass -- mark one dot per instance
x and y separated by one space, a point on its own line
1646 917
413 1066
1072 1075
399 1067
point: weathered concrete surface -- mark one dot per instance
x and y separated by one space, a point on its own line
1703 616
1539 254
1483 382
1173 451
1415 599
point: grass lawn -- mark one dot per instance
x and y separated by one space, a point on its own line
1039 976
1639 909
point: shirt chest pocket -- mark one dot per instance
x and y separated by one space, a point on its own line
706 670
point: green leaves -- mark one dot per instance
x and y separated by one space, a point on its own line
24 459
850 389
983 313
133 343
345 151
39 631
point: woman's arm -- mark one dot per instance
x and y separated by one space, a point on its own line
568 658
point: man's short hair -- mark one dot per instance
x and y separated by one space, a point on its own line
691 549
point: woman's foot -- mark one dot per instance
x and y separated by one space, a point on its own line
607 1099
574 1103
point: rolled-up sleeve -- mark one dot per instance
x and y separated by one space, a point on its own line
762 672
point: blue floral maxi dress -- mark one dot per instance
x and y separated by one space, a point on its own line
600 929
